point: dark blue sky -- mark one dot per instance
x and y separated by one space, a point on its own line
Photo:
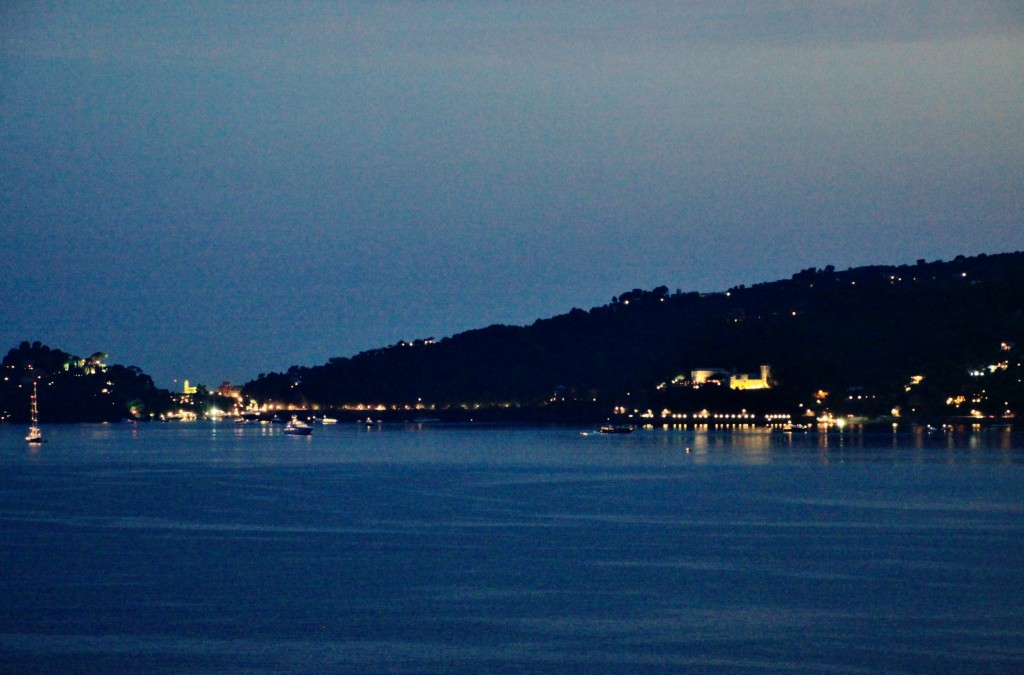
210 190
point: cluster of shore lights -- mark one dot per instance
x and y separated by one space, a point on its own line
380 407
271 407
183 415
705 415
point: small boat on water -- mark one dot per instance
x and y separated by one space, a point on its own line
35 434
616 429
328 420
297 427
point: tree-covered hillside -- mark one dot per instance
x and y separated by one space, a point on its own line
73 388
868 329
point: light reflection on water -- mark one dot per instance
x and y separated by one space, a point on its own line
230 548
199 442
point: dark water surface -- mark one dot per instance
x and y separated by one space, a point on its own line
223 548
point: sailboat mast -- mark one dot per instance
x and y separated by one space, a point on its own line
35 435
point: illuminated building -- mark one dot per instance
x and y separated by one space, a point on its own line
743 381
749 381
228 390
708 375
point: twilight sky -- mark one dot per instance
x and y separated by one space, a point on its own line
210 190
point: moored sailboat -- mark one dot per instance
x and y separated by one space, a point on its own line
35 434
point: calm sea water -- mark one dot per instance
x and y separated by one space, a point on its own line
223 548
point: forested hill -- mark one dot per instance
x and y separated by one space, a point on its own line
75 389
864 329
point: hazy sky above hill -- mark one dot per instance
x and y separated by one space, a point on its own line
210 190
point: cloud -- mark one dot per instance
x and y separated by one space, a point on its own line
333 33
